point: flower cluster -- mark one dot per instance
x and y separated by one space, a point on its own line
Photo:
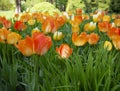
85 28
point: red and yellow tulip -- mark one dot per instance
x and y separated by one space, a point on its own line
20 26
79 40
42 43
37 44
104 26
64 50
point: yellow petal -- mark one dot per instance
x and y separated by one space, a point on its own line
108 45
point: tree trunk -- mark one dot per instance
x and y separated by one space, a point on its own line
18 6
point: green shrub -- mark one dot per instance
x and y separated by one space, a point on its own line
44 7
73 4
115 6
5 5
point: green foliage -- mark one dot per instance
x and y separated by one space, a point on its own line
73 4
115 6
61 4
104 4
5 5
44 7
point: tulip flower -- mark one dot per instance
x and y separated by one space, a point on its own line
49 25
42 43
116 42
78 11
13 38
58 35
79 40
90 26
37 44
35 30
104 26
106 18
64 50
93 38
19 25
3 34
75 26
61 20
107 45
25 17
7 23
31 22
78 19
2 19
25 46
113 32
117 22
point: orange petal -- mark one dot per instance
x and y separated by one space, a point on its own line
64 50
42 43
13 38
79 40
93 38
25 46
116 42
104 26
3 34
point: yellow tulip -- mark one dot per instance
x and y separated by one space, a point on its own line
106 18
13 38
108 45
58 35
31 22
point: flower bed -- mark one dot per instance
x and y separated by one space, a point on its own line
66 52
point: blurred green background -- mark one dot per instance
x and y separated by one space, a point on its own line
7 7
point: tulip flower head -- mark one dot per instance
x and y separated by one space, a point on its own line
64 50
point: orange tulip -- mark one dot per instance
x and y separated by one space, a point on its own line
78 11
13 38
38 44
42 43
79 40
49 25
116 42
26 46
19 25
61 20
3 34
113 32
106 18
93 38
7 23
104 26
64 50
25 17
75 26
117 22
78 18
2 19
